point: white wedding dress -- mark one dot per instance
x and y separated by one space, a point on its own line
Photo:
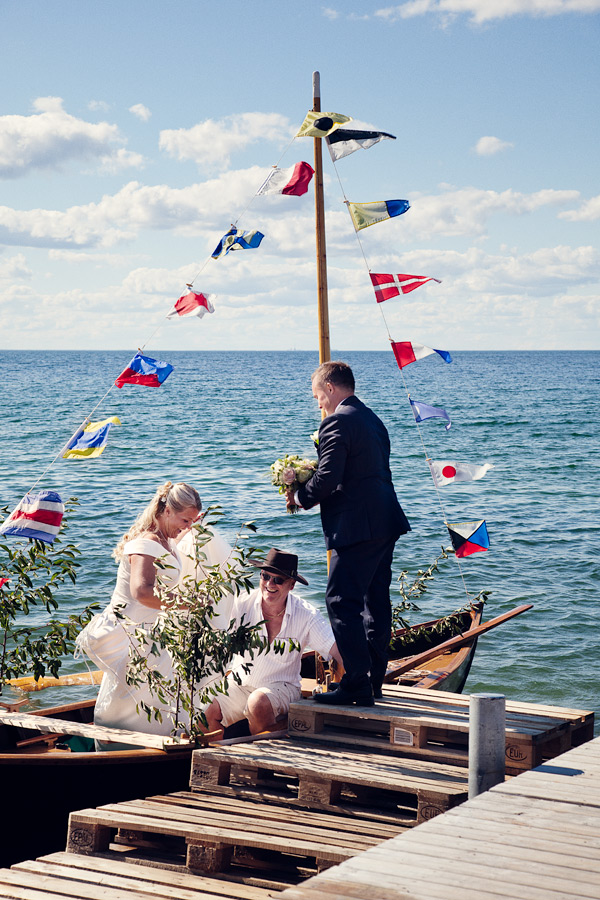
106 640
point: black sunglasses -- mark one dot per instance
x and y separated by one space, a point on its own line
266 576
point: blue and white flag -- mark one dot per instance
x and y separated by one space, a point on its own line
236 239
422 412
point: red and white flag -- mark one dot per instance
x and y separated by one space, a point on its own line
445 471
294 180
387 286
407 352
192 304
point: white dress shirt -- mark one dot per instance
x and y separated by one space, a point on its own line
301 621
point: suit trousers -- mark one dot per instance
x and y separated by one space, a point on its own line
358 603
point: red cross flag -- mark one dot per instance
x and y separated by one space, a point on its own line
192 304
387 286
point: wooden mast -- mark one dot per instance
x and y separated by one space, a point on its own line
322 303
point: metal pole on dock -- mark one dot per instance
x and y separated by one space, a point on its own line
487 742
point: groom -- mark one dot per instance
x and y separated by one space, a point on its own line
362 521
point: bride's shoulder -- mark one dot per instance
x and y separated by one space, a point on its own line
146 544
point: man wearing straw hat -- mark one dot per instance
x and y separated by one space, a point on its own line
362 521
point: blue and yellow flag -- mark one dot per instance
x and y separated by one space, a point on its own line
91 440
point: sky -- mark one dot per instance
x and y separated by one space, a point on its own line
133 134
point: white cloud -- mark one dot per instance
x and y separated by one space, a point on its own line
481 11
213 141
587 212
489 146
51 137
490 300
14 267
100 105
140 111
197 210
329 13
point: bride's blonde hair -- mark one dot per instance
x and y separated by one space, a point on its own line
177 497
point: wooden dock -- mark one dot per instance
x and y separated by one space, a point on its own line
342 810
536 836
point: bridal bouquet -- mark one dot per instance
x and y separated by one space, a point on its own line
290 472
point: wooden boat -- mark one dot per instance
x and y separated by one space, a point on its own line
48 782
446 672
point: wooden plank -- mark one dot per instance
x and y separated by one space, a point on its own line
210 823
223 803
161 881
117 735
423 869
48 886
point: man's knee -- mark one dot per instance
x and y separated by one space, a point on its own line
214 715
260 707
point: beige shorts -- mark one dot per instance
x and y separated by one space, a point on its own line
234 705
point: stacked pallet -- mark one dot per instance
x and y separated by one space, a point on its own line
434 726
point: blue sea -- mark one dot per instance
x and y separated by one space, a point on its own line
222 418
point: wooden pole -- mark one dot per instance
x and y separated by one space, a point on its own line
322 303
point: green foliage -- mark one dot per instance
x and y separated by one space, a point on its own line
199 652
35 572
410 591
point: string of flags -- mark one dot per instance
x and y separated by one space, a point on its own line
38 516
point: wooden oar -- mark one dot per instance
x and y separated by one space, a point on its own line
29 683
414 662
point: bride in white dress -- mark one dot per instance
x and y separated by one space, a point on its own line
106 639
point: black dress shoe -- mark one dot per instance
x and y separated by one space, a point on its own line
342 697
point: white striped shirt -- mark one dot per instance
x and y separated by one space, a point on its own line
301 621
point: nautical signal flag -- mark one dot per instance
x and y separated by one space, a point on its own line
365 214
192 304
422 412
38 516
3 581
144 370
468 537
236 239
388 286
294 181
344 141
91 440
320 124
406 352
444 471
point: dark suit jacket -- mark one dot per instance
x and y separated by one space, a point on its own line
353 483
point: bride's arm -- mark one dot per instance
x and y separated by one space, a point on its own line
142 580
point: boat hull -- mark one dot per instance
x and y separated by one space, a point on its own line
49 784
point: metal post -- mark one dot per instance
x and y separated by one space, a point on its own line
487 742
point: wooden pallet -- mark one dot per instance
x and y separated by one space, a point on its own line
384 787
581 721
68 876
210 834
431 729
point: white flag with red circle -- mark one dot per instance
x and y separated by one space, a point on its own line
192 304
445 471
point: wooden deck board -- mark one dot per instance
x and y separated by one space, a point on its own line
536 837
66 875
